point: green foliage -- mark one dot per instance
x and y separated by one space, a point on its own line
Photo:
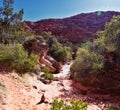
18 33
111 107
40 38
67 53
64 41
47 74
7 15
16 76
99 45
57 105
114 107
78 105
45 70
59 52
18 59
10 23
93 57
112 34
74 105
111 39
6 54
87 63
59 49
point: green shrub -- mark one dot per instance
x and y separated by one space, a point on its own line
48 76
17 58
111 107
78 105
87 63
6 54
59 52
74 105
114 107
57 105
45 70
59 47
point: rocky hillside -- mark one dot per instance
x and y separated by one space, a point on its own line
77 28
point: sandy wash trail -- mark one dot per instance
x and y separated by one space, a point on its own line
25 96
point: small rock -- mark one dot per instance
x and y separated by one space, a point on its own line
35 87
60 84
43 90
46 81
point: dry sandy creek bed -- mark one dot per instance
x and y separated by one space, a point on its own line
25 95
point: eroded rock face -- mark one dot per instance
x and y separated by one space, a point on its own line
35 46
47 63
77 28
55 64
58 66
40 48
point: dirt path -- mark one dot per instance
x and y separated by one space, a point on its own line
65 71
21 96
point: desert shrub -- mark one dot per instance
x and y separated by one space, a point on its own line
78 105
6 54
16 76
58 47
59 52
111 107
74 105
17 58
87 64
45 69
48 76
114 107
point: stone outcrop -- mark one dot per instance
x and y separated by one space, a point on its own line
55 64
47 63
40 48
45 81
77 28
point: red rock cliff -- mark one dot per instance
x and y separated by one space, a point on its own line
77 28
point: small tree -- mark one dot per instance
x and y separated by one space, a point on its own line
59 52
8 19
87 64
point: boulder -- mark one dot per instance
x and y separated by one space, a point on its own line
45 81
45 62
48 64
52 69
57 65
41 48
35 46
